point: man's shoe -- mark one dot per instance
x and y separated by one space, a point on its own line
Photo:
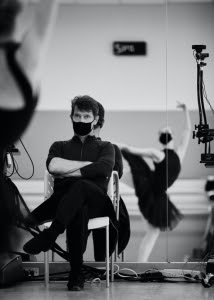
76 283
42 242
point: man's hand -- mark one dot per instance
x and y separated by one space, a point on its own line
76 173
64 167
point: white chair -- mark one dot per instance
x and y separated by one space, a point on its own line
95 223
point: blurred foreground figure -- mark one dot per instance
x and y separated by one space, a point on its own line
20 66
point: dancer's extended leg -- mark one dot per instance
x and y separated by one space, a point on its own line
148 242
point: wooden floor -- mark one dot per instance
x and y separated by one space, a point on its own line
119 290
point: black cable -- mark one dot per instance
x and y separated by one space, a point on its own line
205 96
16 167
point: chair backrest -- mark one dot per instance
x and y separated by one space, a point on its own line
114 192
113 188
48 184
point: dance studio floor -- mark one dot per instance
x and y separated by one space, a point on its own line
119 290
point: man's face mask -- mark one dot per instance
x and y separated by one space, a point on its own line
81 128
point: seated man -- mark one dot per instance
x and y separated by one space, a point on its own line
82 167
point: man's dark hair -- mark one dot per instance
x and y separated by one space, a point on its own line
9 9
101 116
85 103
165 138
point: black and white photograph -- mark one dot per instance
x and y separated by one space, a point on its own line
106 149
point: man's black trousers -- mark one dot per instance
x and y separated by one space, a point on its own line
72 208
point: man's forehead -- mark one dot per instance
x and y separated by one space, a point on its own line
80 111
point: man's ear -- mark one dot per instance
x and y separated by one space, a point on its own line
96 120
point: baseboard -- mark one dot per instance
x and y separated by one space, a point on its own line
57 267
187 194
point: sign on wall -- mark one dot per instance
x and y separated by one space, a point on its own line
129 48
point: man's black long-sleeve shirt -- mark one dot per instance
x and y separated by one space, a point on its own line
100 153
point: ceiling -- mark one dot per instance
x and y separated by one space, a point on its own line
118 2
129 2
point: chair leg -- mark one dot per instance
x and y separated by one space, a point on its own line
123 256
53 256
107 256
114 256
112 267
46 263
116 253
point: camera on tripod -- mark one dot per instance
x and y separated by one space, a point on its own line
198 49
202 131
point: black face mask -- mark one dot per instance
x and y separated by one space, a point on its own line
165 138
81 128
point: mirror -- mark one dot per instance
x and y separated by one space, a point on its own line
139 94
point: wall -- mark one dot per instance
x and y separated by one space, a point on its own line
84 37
80 59
142 90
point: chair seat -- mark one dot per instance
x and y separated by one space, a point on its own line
98 222
47 224
92 224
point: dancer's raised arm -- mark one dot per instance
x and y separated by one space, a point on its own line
153 153
182 147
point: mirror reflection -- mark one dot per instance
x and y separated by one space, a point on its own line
151 182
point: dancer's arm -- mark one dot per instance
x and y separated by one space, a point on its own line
182 147
153 153
35 41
